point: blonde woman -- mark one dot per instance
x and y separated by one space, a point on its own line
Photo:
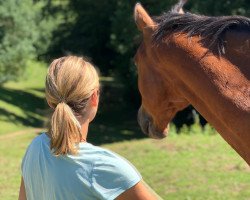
61 164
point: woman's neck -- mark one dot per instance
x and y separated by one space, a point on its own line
84 130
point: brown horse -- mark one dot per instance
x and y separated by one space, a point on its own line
199 60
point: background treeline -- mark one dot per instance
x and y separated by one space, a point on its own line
104 31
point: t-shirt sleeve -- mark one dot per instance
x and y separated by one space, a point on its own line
112 175
24 160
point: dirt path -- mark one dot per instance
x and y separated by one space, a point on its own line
17 133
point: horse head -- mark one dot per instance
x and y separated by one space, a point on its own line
185 59
160 100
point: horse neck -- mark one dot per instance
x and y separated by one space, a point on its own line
216 87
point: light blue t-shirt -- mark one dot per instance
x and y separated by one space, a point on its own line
95 173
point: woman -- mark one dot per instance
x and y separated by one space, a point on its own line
61 164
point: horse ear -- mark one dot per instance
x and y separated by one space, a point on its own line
181 11
178 8
142 19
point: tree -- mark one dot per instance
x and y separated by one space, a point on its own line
22 33
106 32
85 30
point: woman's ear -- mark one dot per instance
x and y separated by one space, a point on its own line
94 99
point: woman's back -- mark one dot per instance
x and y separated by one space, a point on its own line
94 173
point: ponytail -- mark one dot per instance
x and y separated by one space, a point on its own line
70 82
65 130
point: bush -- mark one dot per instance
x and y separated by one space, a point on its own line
23 33
106 32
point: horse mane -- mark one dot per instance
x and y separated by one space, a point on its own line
211 29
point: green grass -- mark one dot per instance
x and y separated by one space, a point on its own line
11 152
183 167
197 167
22 103
189 166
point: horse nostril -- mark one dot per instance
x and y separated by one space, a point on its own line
143 120
147 126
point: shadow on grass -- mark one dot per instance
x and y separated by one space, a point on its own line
31 105
41 90
114 126
116 120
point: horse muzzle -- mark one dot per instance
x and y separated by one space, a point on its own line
146 123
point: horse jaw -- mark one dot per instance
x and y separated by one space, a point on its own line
146 123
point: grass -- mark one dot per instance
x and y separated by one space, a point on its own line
22 104
189 166
197 167
23 107
183 167
11 152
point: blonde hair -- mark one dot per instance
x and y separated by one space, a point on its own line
70 82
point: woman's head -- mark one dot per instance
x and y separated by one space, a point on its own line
72 92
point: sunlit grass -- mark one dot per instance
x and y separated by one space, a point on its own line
22 103
192 166
196 166
11 152
33 77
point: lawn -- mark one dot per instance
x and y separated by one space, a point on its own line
188 166
22 104
183 167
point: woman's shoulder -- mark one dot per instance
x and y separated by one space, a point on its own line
106 158
101 157
39 139
96 152
101 154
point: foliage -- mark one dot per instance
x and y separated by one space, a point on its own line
23 34
108 36
125 36
105 31
125 39
224 7
85 30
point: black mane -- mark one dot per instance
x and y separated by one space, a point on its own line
211 29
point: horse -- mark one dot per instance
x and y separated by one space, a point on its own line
204 61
